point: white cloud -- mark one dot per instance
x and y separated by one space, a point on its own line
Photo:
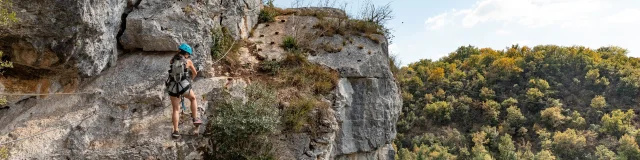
529 13
436 22
628 16
503 32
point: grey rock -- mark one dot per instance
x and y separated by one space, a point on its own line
128 120
386 152
160 25
368 100
364 58
65 34
126 115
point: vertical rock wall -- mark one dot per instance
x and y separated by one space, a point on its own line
120 47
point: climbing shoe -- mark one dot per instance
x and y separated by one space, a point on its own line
175 134
197 121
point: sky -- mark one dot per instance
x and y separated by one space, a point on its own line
431 29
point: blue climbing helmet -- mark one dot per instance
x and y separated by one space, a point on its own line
186 48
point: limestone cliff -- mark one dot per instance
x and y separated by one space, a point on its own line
111 57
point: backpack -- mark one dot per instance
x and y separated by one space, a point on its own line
178 70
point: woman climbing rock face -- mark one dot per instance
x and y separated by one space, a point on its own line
179 86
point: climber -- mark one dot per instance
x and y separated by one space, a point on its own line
179 85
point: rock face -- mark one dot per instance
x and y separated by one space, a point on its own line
368 99
160 25
128 118
65 34
120 110
367 103
83 35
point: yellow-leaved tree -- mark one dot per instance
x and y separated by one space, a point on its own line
7 17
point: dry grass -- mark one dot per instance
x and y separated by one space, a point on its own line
331 48
330 27
297 114
373 38
294 59
313 78
187 10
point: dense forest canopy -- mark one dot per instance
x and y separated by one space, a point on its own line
545 102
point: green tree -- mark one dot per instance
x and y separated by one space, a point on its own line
505 66
491 110
593 77
479 152
428 98
603 153
441 110
534 94
575 120
592 74
509 102
441 94
506 148
485 88
514 116
628 148
526 154
486 93
545 139
569 144
545 155
540 84
618 122
405 154
598 103
552 116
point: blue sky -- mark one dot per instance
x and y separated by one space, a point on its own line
431 29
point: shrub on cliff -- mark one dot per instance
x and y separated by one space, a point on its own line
241 130
7 16
289 43
296 115
268 14
3 65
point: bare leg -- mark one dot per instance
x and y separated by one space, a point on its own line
175 116
194 103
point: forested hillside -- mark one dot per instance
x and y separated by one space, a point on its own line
545 102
